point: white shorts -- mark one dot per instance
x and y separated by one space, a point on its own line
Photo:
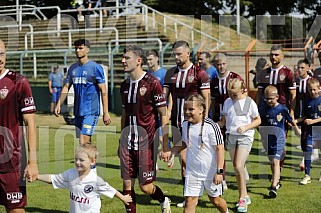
194 187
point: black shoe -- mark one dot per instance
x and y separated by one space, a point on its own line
273 192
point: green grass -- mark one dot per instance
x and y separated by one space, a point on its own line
56 146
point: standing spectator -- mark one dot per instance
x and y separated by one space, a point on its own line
74 14
17 109
55 81
219 93
272 130
142 100
282 78
87 13
240 115
205 155
181 81
82 177
312 121
88 79
261 64
204 62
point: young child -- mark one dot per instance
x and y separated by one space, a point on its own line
204 146
240 116
272 132
83 183
311 119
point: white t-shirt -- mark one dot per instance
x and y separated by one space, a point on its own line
201 162
239 113
85 193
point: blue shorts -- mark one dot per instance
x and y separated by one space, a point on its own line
86 125
274 146
55 94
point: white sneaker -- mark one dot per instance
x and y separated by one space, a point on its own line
224 185
314 158
166 205
171 161
181 205
298 147
306 180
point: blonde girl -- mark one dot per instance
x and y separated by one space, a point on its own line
240 116
204 146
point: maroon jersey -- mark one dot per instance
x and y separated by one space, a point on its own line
302 95
282 78
182 83
15 100
140 99
219 92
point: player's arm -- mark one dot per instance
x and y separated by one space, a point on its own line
104 100
220 162
177 148
292 101
259 95
221 123
206 93
162 111
169 99
126 199
255 123
45 178
31 172
49 86
63 95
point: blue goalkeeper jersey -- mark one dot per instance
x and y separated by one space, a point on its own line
159 74
85 79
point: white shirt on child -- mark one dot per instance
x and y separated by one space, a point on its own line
201 162
236 115
85 193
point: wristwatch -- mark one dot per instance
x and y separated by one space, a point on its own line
219 171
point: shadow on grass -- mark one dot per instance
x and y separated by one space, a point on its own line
108 165
35 209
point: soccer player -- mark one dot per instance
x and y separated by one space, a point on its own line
142 100
272 130
83 183
181 81
55 81
312 121
204 62
203 141
17 109
219 93
88 79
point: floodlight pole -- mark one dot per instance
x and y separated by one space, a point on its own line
238 16
17 10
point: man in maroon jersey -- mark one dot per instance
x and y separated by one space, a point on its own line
17 109
142 100
282 78
181 81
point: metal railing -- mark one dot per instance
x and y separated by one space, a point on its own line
20 26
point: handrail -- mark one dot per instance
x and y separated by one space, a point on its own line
21 25
219 43
69 34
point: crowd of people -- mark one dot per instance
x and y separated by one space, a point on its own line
206 105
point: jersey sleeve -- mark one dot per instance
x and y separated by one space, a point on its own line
254 110
291 81
25 98
159 96
61 181
103 188
68 79
203 80
224 110
215 134
100 74
287 115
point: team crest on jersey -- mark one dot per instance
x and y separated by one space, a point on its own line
142 91
279 117
282 77
190 79
319 107
88 188
3 93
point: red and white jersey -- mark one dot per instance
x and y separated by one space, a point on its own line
181 84
219 92
302 95
84 193
282 78
140 99
15 100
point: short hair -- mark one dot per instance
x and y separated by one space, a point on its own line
303 61
313 81
207 54
81 41
235 84
271 89
219 56
152 52
276 47
138 51
180 43
89 149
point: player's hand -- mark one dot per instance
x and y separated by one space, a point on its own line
308 121
297 131
31 171
166 155
57 110
106 118
241 130
127 199
218 178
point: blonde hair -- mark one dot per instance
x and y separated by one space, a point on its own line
313 81
200 101
235 85
89 149
271 90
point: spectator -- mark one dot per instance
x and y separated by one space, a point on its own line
204 62
55 81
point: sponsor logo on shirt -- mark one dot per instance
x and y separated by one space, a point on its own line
14 197
29 101
88 188
79 199
3 93
159 97
148 175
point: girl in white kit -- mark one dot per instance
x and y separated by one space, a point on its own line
204 146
